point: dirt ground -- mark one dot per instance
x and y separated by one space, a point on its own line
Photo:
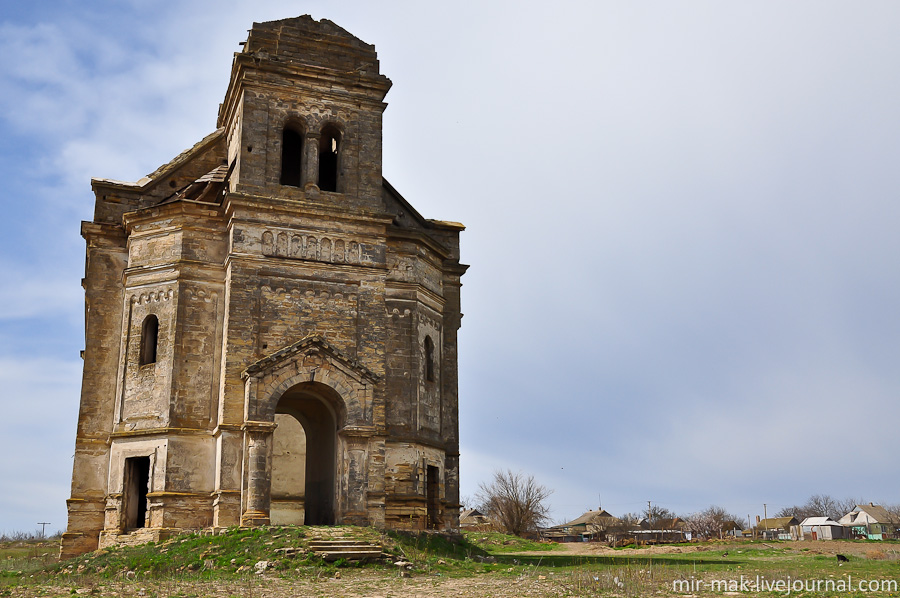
352 584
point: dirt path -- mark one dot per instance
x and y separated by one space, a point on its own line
594 549
829 547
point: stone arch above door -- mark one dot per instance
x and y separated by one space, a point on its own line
311 359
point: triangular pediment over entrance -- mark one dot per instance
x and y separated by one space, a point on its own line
311 346
312 359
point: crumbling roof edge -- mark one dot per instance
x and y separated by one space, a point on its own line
182 158
322 24
402 201
425 222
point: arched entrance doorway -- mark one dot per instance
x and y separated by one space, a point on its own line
304 459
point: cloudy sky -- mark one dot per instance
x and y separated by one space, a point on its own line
682 224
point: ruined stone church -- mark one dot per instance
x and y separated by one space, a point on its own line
271 329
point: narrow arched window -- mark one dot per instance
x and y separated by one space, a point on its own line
329 154
291 157
149 337
429 359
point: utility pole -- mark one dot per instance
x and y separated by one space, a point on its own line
766 519
43 525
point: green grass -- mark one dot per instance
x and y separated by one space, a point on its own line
233 552
27 556
496 543
231 557
637 575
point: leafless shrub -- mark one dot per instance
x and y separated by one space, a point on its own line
516 503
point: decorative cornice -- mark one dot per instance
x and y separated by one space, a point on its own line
455 268
298 207
167 431
395 232
257 426
92 231
227 428
357 431
166 212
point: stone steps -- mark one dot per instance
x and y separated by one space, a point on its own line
349 549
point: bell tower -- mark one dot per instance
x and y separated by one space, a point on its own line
303 115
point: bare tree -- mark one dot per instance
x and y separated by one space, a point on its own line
517 504
468 502
846 505
798 511
655 513
824 505
709 522
820 505
893 511
631 519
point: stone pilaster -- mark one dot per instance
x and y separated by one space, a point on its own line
259 475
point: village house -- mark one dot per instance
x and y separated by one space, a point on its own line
871 522
778 528
474 519
665 530
820 528
731 529
590 526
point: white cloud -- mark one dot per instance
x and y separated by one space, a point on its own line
38 293
37 436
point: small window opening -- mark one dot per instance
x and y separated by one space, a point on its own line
329 150
429 359
136 486
149 337
291 157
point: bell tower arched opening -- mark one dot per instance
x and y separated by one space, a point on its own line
304 480
291 156
329 158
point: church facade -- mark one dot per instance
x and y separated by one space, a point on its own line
271 329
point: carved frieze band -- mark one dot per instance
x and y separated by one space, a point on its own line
429 321
201 295
313 247
320 298
153 296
